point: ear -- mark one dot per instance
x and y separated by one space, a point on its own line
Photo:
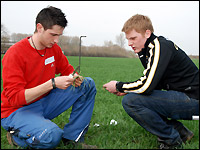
147 34
40 28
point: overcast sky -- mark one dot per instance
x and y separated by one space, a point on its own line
103 20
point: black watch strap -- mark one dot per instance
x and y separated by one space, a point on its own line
116 85
53 83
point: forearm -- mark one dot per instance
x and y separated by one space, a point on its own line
35 92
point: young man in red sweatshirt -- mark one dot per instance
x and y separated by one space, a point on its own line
32 96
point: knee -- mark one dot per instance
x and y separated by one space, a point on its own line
90 82
131 102
127 100
48 139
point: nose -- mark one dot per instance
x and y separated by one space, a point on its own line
56 39
130 43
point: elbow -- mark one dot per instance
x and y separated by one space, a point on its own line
18 99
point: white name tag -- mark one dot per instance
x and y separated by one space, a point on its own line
49 60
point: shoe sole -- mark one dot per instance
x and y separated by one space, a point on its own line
188 138
10 139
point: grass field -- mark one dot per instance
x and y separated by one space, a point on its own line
127 134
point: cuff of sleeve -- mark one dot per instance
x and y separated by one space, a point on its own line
119 86
71 76
22 97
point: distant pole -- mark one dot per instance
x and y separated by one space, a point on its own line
80 54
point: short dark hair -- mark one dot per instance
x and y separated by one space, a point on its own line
51 16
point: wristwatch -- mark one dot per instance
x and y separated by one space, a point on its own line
53 83
116 85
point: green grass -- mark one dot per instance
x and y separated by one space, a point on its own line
127 134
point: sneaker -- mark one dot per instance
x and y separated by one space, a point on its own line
75 145
10 139
176 146
164 145
185 133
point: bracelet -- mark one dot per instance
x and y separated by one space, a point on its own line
53 83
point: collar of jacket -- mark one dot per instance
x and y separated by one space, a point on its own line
150 39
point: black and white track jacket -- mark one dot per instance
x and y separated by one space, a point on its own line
166 67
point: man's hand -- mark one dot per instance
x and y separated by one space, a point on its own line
63 82
78 80
111 86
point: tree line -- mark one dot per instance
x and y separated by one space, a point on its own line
70 45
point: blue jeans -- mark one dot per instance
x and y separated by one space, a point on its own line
151 111
33 122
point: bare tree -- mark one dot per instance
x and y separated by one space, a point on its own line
108 43
4 39
15 37
120 40
64 41
70 45
4 34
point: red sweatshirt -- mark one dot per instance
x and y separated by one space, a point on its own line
24 68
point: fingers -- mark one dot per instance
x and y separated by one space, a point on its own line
104 86
78 83
78 80
63 82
